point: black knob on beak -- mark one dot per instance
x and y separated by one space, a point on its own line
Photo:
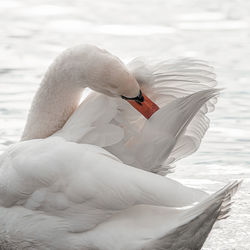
139 99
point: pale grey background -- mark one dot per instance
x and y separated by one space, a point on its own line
33 32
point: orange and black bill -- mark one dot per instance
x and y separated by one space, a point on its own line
143 104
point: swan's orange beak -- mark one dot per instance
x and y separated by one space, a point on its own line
143 104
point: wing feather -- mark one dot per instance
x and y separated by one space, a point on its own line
112 124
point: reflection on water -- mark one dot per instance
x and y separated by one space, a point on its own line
34 32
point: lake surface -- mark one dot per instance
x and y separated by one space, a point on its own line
34 32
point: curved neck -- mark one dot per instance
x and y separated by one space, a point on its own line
56 99
61 89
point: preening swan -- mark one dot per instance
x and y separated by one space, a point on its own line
89 176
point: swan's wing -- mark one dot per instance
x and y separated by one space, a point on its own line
159 138
113 124
155 228
164 82
81 184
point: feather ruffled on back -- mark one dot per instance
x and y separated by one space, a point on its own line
164 82
197 222
113 124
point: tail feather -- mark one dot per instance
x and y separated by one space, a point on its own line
150 227
221 197
197 222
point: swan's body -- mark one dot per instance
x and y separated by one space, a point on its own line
59 192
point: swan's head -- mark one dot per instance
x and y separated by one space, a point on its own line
103 72
107 74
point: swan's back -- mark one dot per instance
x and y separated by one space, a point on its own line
55 195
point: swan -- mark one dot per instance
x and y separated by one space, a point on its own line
89 176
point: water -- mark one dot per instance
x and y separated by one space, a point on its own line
34 32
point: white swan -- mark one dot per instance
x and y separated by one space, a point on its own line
57 191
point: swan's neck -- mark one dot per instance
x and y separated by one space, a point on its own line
56 99
62 86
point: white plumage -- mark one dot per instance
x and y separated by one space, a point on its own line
81 178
